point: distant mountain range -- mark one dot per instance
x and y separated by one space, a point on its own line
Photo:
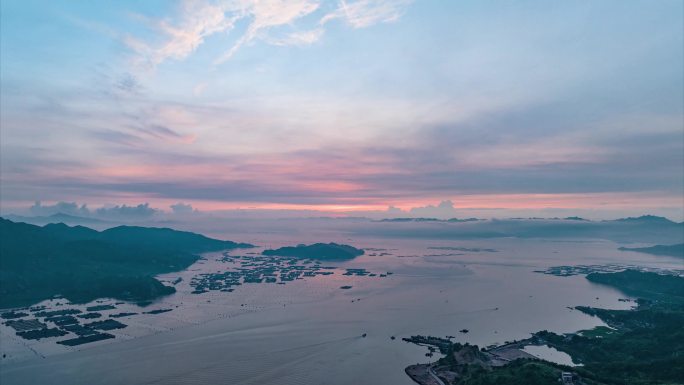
645 219
647 229
82 264
642 219
55 218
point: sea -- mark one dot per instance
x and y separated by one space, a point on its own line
314 331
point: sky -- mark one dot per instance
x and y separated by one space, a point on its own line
352 106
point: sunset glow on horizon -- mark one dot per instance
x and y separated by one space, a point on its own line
344 107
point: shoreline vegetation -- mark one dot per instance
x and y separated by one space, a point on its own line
81 264
641 346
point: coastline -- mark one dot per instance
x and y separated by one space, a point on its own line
604 354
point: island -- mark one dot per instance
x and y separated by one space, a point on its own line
640 346
319 251
82 264
667 250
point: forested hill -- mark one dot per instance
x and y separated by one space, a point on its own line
83 264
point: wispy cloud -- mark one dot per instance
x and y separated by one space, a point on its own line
165 133
364 13
266 15
298 38
200 19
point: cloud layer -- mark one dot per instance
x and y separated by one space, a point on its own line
343 106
